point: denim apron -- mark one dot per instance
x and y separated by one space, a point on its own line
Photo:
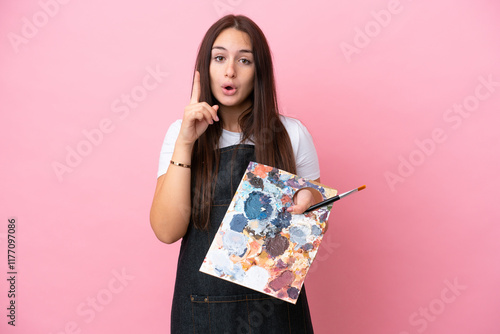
205 304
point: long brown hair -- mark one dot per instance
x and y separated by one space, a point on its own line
259 124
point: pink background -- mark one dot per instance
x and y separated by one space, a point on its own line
417 251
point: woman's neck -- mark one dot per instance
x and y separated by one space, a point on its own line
230 116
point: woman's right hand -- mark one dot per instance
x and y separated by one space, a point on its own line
197 116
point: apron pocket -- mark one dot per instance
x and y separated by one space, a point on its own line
240 314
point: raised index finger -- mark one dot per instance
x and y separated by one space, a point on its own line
195 93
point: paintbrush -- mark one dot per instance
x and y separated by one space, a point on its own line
333 199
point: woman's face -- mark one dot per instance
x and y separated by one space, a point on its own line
232 69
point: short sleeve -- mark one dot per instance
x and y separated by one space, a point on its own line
167 148
306 157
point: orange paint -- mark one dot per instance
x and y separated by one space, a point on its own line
286 199
262 170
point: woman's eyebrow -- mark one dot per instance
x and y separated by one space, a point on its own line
224 49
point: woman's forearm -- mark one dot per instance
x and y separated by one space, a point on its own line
171 207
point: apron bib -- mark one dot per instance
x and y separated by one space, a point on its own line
204 304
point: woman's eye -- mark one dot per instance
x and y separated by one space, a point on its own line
245 61
219 58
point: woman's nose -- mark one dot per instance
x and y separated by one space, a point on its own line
230 70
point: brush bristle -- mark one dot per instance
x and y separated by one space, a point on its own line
361 188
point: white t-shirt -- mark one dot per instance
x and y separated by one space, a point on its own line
306 157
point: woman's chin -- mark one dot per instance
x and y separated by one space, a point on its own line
229 102
233 102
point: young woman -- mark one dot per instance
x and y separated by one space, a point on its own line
232 119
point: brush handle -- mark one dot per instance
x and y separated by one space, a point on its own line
333 199
323 203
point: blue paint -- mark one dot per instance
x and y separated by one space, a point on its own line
274 177
262 228
224 267
283 220
308 246
235 243
257 206
293 183
298 234
238 223
237 274
316 230
221 262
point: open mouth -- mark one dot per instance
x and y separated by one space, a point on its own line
228 89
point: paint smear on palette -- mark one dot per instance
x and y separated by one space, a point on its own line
259 244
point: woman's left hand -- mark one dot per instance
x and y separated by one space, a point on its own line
303 199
